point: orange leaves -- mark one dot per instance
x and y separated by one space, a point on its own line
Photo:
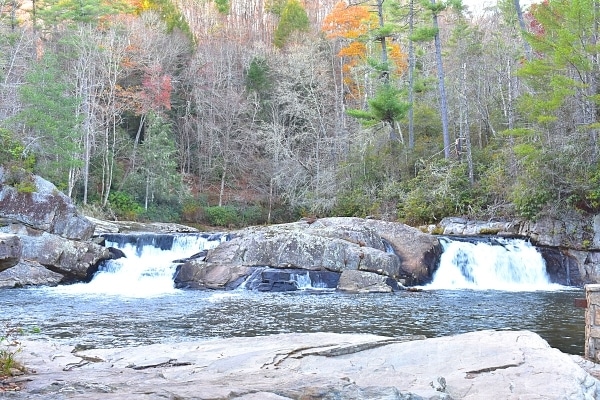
354 49
349 22
399 57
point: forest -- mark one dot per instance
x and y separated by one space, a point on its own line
240 112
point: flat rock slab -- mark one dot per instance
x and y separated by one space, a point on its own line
478 365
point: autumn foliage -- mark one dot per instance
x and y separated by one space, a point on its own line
351 24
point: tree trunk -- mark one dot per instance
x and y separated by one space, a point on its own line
526 46
411 76
442 87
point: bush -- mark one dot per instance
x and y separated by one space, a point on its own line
356 203
222 215
124 205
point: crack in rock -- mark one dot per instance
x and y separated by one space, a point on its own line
474 373
337 350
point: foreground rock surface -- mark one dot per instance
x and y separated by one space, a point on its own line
478 365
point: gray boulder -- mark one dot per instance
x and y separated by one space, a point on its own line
45 209
392 250
74 260
10 251
28 273
365 282
196 274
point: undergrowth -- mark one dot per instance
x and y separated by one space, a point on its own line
10 346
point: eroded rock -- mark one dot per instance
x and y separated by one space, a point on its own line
75 260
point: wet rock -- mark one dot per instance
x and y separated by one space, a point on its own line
196 274
366 282
28 273
388 249
75 260
10 251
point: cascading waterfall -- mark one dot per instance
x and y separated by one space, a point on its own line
496 264
148 266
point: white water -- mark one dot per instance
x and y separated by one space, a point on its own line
147 270
510 265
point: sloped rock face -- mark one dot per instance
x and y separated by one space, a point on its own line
46 209
392 251
10 251
471 366
365 282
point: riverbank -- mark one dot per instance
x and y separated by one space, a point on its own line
477 365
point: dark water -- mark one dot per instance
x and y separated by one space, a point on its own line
113 321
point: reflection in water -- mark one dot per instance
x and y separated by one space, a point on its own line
190 315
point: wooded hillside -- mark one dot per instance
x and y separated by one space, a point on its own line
232 112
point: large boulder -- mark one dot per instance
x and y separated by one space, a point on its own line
75 260
418 252
28 273
45 209
393 251
10 251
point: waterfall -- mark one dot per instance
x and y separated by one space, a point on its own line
493 264
148 266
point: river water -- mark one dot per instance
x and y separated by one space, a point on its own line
121 307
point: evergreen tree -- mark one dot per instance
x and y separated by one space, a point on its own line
293 19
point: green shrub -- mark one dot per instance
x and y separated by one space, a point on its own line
9 348
124 206
356 203
162 213
253 215
222 215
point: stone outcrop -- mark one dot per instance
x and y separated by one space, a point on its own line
471 366
365 282
196 274
392 251
44 240
10 251
45 209
75 260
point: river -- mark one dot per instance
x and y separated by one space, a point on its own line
122 308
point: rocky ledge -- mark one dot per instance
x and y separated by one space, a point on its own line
477 365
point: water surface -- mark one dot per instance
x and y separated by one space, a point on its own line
114 321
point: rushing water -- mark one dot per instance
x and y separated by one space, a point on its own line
132 301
